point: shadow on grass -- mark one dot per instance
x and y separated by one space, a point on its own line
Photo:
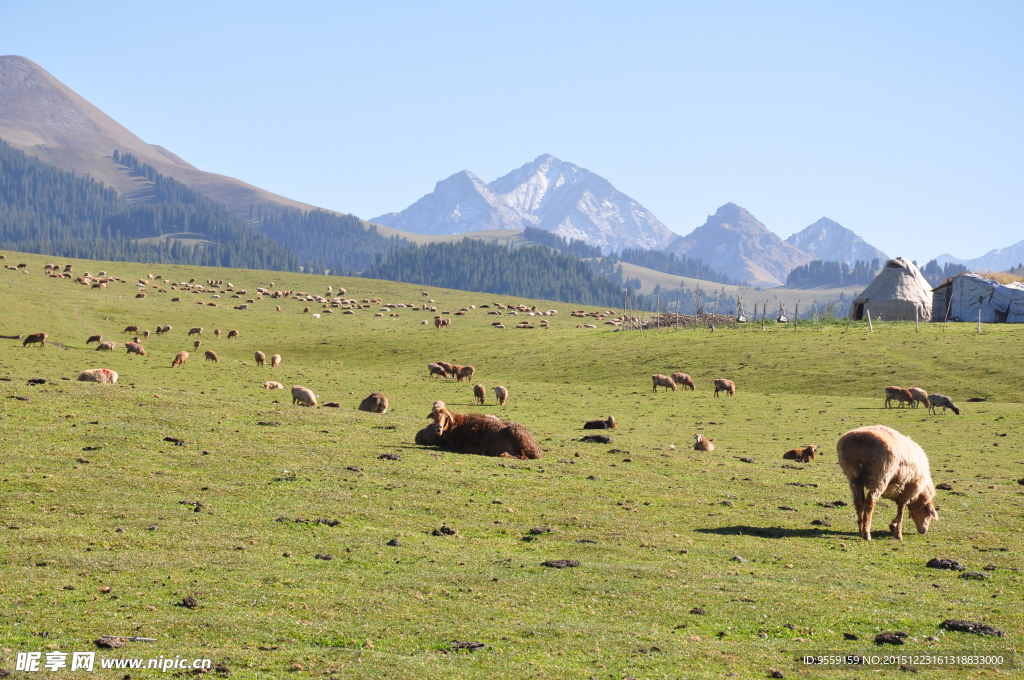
774 532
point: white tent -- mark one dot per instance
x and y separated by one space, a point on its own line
897 293
964 296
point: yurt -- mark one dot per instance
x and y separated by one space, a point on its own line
899 292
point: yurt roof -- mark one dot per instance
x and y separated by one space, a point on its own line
898 280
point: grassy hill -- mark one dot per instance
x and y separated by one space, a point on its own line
108 526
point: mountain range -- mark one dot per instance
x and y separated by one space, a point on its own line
995 260
547 193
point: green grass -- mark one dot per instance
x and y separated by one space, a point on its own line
648 523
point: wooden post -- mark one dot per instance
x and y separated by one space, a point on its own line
657 311
796 316
979 320
870 327
949 306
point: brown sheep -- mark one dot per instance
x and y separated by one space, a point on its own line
890 465
195 330
375 403
261 359
434 369
212 356
804 455
600 424
479 394
900 394
106 346
197 344
449 368
465 372
216 333
723 385
145 334
94 338
501 394
179 359
273 385
98 375
275 361
663 381
428 436
135 348
160 330
683 380
702 444
36 339
130 329
485 435
232 334
446 323
920 396
303 396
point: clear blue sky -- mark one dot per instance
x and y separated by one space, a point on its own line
902 121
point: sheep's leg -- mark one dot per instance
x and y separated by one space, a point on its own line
858 503
897 524
869 509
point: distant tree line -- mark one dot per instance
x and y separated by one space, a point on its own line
936 273
574 247
670 263
832 274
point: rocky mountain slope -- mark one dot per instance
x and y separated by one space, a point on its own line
999 259
830 241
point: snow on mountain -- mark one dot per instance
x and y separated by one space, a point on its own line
547 193
830 241
996 260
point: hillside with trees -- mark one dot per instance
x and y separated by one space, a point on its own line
819 274
671 263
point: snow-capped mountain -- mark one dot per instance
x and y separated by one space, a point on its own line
830 241
547 193
996 260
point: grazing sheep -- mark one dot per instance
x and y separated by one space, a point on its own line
663 381
600 424
145 334
937 400
135 348
130 329
702 444
434 369
437 322
305 310
303 396
160 330
465 372
501 394
479 394
275 361
94 338
920 396
216 333
212 356
195 330
179 359
480 434
446 323
375 403
891 466
273 385
98 375
683 380
196 344
900 394
232 334
804 455
261 359
723 385
279 309
448 368
106 346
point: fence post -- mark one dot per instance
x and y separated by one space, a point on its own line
871 328
979 320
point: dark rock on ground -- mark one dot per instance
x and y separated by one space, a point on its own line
699 611
560 564
597 439
850 636
945 563
444 530
962 626
189 602
389 456
888 639
395 543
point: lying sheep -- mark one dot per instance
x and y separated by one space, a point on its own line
275 361
36 339
98 375
261 359
375 403
900 394
663 381
723 385
273 385
804 455
94 338
135 348
212 356
106 346
937 400
890 465
303 396
485 435
702 444
920 396
501 394
465 372
684 380
435 369
179 359
600 424
479 394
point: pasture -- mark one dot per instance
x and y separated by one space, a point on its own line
106 526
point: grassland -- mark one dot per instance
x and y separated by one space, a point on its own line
656 530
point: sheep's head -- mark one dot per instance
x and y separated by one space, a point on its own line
955 409
923 512
611 422
441 416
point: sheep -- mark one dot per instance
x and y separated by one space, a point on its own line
305 310
600 424
303 396
919 396
890 465
437 322
179 359
145 334
98 375
94 338
232 334
723 385
664 381
449 368
212 356
161 330
937 400
465 372
197 344
131 329
216 333
804 455
480 434
275 361
106 346
375 403
684 380
701 443
900 394
261 359
135 348
434 369
446 323
272 385
501 394
195 330
479 394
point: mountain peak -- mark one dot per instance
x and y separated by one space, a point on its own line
828 240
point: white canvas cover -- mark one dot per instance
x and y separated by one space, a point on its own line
895 294
997 302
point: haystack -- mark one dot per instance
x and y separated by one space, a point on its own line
896 294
